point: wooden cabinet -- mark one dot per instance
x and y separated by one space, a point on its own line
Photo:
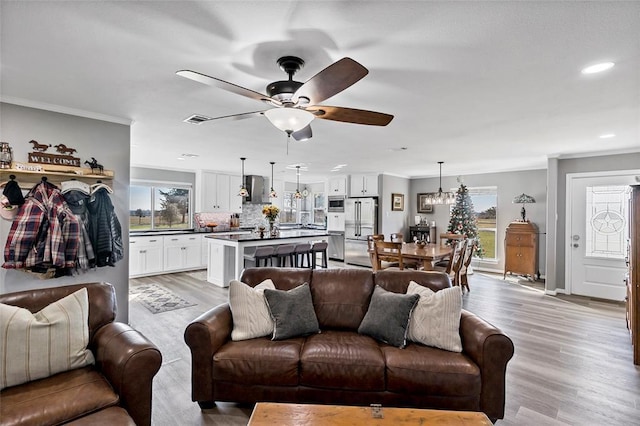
182 252
521 249
633 273
145 255
338 186
219 193
363 185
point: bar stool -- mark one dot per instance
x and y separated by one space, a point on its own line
282 253
264 253
319 247
300 253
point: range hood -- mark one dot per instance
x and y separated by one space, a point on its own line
256 187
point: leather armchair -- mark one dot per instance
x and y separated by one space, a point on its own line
125 359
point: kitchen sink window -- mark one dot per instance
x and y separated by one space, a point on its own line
290 210
160 206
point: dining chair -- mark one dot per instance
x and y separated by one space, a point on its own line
448 236
466 261
387 251
456 262
371 247
397 237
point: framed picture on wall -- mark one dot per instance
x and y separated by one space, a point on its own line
397 202
423 206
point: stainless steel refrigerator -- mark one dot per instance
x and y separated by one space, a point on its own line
360 220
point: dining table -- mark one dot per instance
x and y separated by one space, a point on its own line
428 254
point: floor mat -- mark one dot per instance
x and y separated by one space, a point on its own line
157 298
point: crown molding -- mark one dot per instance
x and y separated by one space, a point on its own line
65 110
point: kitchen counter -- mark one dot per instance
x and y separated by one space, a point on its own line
226 252
222 231
284 234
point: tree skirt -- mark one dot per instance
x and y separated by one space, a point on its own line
157 299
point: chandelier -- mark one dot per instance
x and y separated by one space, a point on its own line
440 197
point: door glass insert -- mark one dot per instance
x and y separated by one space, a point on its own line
607 215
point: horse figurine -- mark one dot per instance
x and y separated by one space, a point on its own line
40 147
94 165
63 149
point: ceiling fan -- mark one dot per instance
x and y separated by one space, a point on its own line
296 104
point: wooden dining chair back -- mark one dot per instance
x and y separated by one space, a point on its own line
456 262
444 238
386 251
371 246
466 261
396 237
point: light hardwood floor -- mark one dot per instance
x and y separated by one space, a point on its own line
572 363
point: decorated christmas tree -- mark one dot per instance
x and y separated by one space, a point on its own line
463 218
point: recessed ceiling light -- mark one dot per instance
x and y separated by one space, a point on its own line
190 155
180 158
608 135
592 69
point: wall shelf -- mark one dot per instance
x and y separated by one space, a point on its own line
56 175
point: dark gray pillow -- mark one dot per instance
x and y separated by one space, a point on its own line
387 318
292 312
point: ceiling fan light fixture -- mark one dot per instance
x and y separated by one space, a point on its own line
289 119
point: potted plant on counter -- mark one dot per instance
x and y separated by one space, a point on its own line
271 213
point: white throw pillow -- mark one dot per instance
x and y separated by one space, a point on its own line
435 320
34 346
251 316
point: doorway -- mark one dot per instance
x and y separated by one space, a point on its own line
597 232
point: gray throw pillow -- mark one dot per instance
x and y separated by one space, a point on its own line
292 312
387 318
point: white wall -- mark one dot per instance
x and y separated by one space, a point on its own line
106 141
393 221
509 184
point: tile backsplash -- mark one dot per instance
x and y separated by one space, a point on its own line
252 215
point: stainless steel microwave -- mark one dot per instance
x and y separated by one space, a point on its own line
336 204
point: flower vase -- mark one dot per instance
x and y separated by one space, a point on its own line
272 228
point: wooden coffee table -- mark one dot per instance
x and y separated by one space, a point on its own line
272 414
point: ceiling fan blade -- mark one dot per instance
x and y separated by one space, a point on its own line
350 115
331 80
233 117
303 134
225 85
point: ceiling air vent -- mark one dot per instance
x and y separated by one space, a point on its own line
196 119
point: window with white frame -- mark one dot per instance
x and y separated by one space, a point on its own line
160 206
485 206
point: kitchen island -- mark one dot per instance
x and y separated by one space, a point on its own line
226 252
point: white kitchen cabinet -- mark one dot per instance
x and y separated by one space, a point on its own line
215 269
182 252
145 255
219 193
364 185
335 222
337 186
235 202
204 254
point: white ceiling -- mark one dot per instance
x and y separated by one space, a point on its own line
482 86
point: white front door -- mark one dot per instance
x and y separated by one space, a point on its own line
598 229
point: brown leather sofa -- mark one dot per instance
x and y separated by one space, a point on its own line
114 391
340 366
